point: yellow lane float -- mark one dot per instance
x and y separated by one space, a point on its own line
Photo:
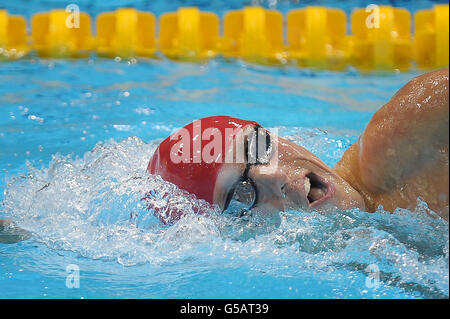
126 33
381 38
431 37
62 34
317 37
13 36
255 34
189 34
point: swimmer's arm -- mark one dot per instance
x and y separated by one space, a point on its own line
407 134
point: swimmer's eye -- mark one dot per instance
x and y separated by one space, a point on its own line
242 197
245 193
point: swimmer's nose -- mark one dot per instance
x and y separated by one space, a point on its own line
270 182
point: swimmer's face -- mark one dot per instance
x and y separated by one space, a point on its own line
291 178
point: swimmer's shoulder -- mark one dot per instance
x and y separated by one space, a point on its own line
405 144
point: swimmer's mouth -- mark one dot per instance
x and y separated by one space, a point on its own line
317 190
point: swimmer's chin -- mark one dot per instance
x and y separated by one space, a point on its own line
329 204
342 200
340 195
337 199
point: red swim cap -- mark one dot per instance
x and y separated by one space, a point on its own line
195 174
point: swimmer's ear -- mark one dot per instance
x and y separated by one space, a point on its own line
10 234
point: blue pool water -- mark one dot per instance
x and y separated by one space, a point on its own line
75 139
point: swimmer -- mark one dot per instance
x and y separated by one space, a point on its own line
401 155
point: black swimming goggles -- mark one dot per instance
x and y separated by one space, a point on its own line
243 196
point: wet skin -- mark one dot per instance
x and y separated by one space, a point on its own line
401 155
403 152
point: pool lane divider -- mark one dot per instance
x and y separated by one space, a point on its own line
382 43
13 36
189 34
126 32
54 35
380 37
255 34
431 37
317 37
